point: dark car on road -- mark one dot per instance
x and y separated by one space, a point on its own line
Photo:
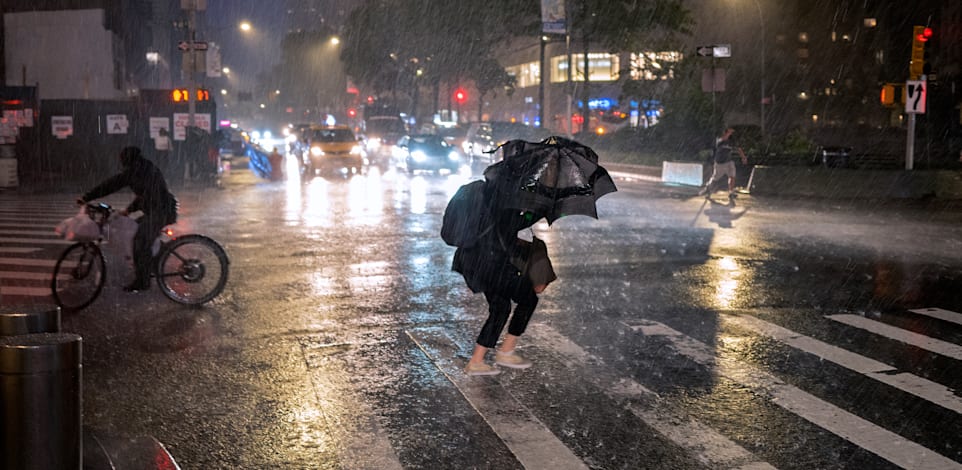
484 137
428 152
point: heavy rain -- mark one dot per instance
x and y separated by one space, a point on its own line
399 234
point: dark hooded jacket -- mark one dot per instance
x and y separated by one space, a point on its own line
145 180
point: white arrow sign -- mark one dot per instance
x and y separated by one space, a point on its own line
915 91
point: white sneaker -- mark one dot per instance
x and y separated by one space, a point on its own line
481 369
511 359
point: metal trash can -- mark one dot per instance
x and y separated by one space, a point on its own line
835 157
26 320
40 401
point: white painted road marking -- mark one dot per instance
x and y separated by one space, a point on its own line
944 315
909 383
863 433
703 443
908 337
530 440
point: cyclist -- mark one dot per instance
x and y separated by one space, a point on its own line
152 197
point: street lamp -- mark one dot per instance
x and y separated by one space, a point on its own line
245 26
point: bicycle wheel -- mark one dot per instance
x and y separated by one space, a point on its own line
78 276
192 269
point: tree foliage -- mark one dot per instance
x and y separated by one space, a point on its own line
388 41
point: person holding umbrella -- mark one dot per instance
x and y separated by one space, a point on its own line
550 179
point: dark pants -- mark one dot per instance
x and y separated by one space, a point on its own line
148 229
519 290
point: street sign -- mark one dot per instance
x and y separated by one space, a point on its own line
198 46
915 91
717 50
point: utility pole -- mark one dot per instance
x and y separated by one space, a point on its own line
191 85
541 74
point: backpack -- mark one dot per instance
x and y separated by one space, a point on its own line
461 224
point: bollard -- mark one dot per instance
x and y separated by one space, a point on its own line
40 401
26 320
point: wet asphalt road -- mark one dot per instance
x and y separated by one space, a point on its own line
682 333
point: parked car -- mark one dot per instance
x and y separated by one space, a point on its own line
332 149
427 152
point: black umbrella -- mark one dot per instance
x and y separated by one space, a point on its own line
554 178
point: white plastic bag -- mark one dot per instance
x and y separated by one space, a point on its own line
78 228
120 234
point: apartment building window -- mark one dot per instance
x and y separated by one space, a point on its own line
525 75
602 67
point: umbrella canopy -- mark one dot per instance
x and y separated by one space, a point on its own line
553 178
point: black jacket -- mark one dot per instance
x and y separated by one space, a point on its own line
149 187
487 265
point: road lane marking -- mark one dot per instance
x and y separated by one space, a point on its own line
863 433
25 291
909 383
30 275
908 337
39 241
530 440
47 263
14 225
945 315
703 443
18 249
36 233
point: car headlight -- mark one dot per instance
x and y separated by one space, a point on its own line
419 156
374 143
453 156
316 151
356 150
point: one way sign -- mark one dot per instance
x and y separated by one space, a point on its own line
915 91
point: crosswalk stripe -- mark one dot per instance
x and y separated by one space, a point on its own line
704 443
861 432
18 249
531 442
27 275
908 337
26 225
910 383
40 241
25 291
47 263
945 315
36 233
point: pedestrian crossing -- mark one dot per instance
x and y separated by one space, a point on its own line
536 443
29 247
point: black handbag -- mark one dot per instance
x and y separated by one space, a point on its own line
533 262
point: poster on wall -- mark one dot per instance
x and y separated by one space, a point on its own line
61 126
117 124
158 123
201 120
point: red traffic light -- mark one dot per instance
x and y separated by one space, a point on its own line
351 112
925 35
460 96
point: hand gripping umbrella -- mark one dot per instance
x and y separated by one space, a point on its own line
554 178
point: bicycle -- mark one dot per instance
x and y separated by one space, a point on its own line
190 269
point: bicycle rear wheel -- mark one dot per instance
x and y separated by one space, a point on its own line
192 269
78 276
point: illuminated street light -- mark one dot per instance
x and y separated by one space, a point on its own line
226 70
223 91
245 26
277 92
153 57
335 40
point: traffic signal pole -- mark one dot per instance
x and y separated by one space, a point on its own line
191 99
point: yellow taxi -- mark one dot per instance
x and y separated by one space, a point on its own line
333 149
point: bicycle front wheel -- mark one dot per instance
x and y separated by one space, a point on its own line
192 269
78 276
